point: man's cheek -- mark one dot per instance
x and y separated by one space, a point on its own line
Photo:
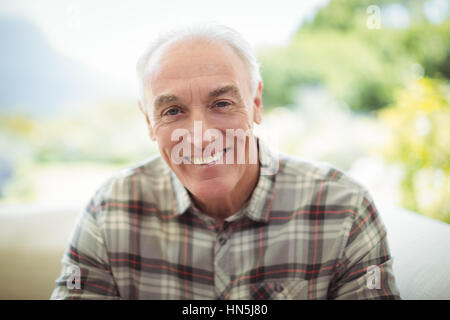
156 128
163 134
239 120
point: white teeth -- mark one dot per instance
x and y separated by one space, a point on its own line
209 159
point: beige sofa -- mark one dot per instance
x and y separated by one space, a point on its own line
33 240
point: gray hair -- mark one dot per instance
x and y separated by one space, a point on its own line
211 32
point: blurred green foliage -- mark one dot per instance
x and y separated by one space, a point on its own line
362 67
371 70
419 121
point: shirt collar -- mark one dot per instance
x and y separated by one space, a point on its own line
182 199
260 202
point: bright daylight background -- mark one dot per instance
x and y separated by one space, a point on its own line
369 96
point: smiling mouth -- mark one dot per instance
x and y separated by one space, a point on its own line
211 160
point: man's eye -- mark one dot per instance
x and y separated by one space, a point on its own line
172 112
222 104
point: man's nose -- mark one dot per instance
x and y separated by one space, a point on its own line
198 125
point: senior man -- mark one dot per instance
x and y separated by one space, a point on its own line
218 215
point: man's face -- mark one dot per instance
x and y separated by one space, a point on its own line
206 83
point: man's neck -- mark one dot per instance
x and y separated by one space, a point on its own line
224 207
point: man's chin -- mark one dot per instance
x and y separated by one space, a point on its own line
208 182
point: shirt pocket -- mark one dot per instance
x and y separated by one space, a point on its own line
292 289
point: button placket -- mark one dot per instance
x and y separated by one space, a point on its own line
222 263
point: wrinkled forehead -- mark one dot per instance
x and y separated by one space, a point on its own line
189 59
185 71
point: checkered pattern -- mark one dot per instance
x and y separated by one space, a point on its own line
307 232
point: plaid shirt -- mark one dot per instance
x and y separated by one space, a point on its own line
307 232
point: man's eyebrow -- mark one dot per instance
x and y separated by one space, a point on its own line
164 99
225 89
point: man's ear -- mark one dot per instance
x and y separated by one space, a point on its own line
147 119
258 105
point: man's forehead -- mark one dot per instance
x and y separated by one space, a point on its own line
194 58
199 63
186 70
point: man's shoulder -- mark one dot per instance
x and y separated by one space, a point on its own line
324 186
313 172
293 166
149 168
129 183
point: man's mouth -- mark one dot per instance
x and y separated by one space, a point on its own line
211 160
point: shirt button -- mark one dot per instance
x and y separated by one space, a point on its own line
222 240
278 287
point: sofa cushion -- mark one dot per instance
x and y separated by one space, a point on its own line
421 255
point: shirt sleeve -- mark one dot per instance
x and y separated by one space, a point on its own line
366 266
86 272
